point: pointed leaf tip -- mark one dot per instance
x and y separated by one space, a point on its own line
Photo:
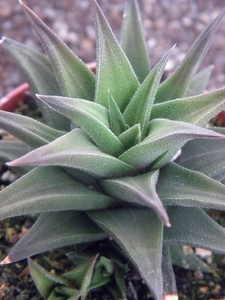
2 39
5 261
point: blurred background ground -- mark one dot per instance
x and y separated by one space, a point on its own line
166 22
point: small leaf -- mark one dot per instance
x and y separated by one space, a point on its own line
114 72
39 74
49 189
164 135
74 78
138 110
176 85
54 230
45 281
199 82
91 117
76 150
132 40
28 130
185 220
190 188
117 123
196 110
169 280
131 136
138 189
139 233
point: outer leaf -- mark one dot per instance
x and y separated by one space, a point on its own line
205 156
38 73
54 230
90 116
190 188
199 82
176 85
139 233
163 135
74 78
28 130
131 136
209 234
196 110
76 150
10 150
169 280
49 189
138 110
114 72
138 189
132 40
44 280
117 123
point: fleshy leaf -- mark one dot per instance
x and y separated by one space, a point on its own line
205 156
131 136
138 110
90 116
164 135
139 233
117 123
114 72
199 82
196 110
169 280
193 227
138 189
54 230
176 85
74 78
28 130
76 150
38 73
10 150
132 40
49 189
44 280
187 259
190 188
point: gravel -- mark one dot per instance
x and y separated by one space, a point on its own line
165 22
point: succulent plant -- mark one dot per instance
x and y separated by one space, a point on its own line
122 156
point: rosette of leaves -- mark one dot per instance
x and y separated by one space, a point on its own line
121 154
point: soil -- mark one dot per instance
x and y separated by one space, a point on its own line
165 23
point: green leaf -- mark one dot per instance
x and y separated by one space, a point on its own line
205 156
131 136
74 78
138 110
54 230
139 189
10 150
169 280
38 73
45 281
176 85
139 233
190 188
196 110
193 227
28 130
132 40
187 259
163 135
76 150
199 82
91 117
117 123
40 191
114 72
